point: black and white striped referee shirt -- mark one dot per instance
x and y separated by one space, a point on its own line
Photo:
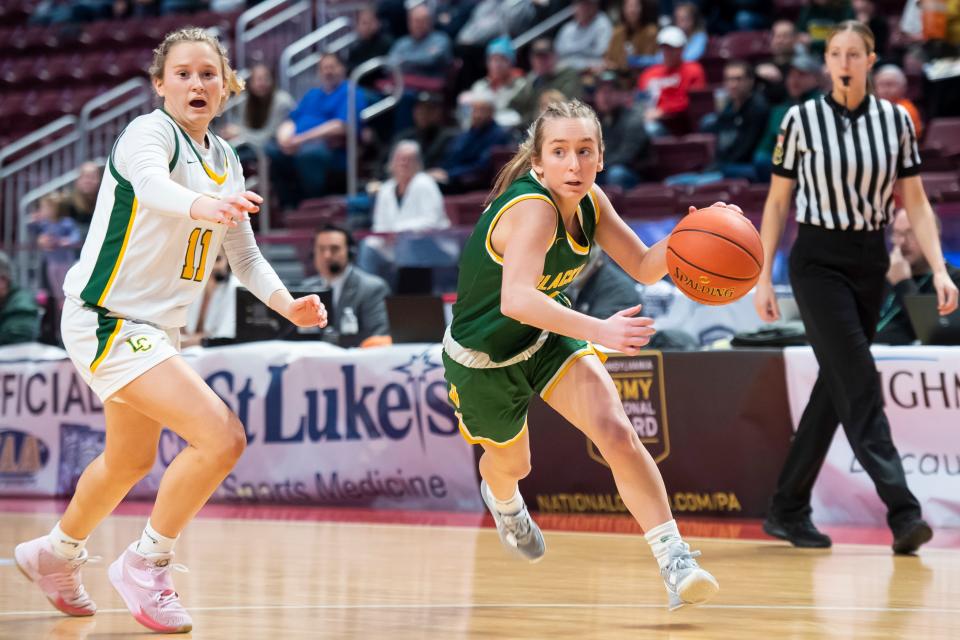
846 163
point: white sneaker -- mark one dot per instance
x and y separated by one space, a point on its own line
685 581
59 579
518 532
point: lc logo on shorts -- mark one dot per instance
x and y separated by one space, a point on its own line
639 382
139 344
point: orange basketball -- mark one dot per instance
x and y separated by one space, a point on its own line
714 255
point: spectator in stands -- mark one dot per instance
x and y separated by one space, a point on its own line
602 289
501 81
425 51
19 315
804 81
310 144
772 73
666 85
449 16
492 18
818 18
82 198
58 239
214 314
547 98
544 75
909 273
429 130
626 147
687 16
890 84
582 42
266 108
740 124
410 200
866 12
723 16
123 9
634 37
48 12
359 310
468 165
372 41
171 7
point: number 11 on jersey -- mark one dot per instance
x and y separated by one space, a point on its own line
192 270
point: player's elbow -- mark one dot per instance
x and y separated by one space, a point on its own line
511 303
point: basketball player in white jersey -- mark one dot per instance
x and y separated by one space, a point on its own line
172 195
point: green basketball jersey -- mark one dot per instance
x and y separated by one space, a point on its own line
477 321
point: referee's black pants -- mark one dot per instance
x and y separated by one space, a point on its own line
838 283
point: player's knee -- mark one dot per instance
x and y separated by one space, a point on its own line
127 468
615 434
227 443
514 464
235 441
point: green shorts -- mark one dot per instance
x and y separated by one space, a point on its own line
491 404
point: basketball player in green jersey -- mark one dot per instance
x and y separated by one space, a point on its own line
514 334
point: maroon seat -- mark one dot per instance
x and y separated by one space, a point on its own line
680 156
746 45
465 209
701 103
648 201
943 134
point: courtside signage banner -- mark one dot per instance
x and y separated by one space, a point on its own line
921 391
324 426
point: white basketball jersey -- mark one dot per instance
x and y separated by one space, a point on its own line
150 264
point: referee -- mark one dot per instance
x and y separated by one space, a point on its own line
847 151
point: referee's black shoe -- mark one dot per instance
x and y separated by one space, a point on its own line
799 532
908 538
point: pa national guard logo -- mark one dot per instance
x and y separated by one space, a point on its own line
778 151
640 385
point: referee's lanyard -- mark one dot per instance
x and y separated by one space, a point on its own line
890 308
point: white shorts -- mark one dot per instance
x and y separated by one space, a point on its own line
110 353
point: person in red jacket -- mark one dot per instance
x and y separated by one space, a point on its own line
666 85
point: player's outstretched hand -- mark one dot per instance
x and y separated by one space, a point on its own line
229 210
732 207
307 312
626 331
946 293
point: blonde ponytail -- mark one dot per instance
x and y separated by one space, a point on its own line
530 149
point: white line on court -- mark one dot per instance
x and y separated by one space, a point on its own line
514 605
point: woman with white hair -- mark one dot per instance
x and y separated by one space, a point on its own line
890 83
410 200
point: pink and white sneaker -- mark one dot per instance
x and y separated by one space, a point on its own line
146 586
57 577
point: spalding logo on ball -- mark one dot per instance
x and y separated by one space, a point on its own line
714 255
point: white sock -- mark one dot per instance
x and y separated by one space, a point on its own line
508 507
153 542
661 538
65 546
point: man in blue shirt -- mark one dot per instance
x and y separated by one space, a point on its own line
469 161
311 143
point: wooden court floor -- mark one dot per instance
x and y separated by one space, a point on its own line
304 579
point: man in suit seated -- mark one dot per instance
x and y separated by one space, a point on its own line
359 307
908 274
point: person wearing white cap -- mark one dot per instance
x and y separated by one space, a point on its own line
667 85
